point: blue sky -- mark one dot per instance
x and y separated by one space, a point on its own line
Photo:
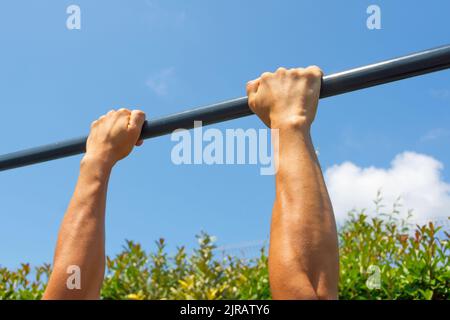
168 56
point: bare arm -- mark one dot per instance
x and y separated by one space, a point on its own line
81 239
303 257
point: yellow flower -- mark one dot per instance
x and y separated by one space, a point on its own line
135 296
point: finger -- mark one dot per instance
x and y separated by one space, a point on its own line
94 123
137 119
315 71
265 76
315 74
121 117
252 88
281 71
297 72
123 111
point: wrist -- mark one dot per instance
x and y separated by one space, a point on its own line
292 123
97 167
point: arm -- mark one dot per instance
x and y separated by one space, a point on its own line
81 239
303 255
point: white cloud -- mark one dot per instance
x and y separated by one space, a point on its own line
441 94
159 82
435 134
416 178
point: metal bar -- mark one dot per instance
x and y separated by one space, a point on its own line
355 79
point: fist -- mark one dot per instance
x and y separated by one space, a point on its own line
286 97
113 136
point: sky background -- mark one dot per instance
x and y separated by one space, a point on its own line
169 56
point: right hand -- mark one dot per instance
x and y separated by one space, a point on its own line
114 135
286 97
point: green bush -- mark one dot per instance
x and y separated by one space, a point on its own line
381 258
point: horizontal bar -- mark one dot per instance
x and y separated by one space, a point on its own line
355 79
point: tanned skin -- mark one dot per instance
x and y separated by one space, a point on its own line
303 257
303 254
81 239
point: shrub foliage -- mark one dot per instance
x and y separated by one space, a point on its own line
381 258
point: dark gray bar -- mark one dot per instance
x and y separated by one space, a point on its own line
355 79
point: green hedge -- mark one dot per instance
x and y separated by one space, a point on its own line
380 259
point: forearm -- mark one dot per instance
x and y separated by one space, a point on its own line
81 238
304 250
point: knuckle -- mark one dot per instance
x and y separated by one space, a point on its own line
314 71
297 72
281 70
266 76
140 113
252 85
123 111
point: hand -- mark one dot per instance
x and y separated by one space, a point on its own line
286 97
114 135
